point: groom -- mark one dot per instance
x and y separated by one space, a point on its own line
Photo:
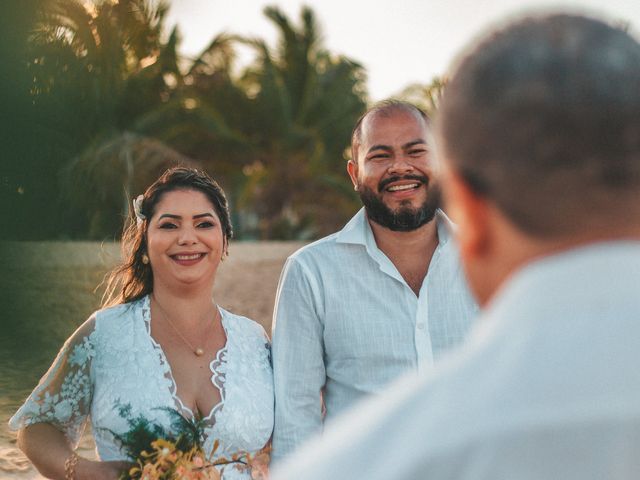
539 129
384 296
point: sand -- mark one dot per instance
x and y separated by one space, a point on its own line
247 280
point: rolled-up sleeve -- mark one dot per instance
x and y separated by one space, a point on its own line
298 358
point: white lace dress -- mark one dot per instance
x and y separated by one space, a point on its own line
112 360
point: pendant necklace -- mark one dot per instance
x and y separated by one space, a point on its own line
196 350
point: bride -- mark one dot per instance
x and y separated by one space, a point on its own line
160 342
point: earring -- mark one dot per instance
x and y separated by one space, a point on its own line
355 187
145 259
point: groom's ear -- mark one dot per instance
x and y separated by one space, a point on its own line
352 169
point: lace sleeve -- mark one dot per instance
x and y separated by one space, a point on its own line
63 396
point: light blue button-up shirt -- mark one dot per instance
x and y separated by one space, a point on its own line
346 324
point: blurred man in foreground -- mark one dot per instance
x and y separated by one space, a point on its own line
539 130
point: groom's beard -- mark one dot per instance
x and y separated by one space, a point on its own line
404 218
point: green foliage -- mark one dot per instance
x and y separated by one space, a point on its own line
93 71
25 145
185 434
109 172
86 62
104 84
426 96
306 102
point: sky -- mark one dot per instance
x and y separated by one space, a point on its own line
399 42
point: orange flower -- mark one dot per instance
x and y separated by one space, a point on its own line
198 461
149 472
259 466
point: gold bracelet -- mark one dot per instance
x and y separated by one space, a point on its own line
70 466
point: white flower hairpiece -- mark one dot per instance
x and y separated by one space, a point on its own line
137 209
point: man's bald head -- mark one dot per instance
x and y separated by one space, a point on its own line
543 119
384 108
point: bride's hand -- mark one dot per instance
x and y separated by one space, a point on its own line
96 470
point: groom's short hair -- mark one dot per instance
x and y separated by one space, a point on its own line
542 117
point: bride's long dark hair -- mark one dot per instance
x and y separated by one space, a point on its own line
133 278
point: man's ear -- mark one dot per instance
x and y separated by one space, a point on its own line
352 169
470 212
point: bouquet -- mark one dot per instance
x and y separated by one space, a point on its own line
158 453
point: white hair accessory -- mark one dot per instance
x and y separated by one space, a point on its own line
137 209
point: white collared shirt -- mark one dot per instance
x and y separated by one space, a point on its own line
546 387
346 324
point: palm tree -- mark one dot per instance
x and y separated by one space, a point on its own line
85 59
114 171
213 122
101 74
274 133
426 96
305 103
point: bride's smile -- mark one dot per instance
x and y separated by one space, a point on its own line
185 241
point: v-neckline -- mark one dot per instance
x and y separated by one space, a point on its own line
220 359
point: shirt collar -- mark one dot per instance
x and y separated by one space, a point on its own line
358 231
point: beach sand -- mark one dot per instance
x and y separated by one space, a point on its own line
247 280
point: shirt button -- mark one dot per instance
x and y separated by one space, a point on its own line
420 326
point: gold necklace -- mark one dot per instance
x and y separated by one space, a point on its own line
196 350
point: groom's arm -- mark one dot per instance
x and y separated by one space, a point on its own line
298 358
